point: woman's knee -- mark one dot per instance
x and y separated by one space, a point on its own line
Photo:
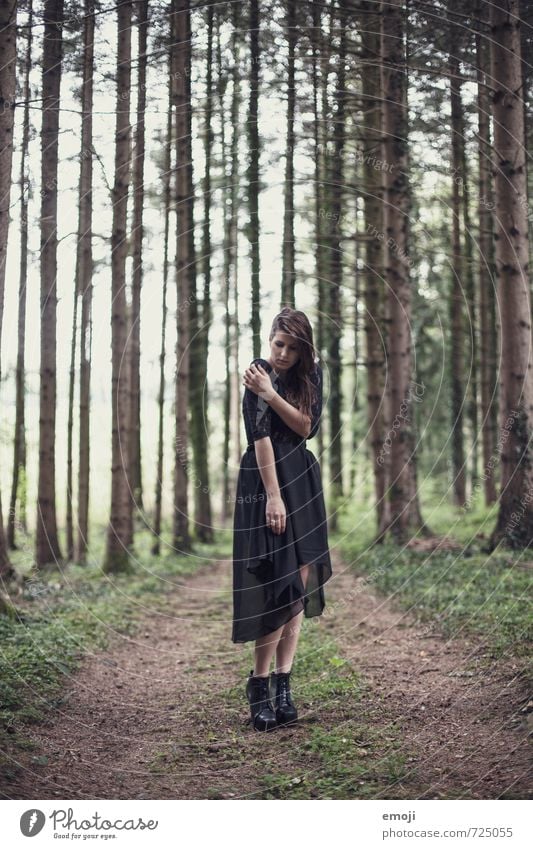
304 573
292 627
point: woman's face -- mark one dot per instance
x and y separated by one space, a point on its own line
284 351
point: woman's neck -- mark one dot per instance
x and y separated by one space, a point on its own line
278 372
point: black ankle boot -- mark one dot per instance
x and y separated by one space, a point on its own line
261 708
286 712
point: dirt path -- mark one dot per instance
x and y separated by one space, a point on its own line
152 719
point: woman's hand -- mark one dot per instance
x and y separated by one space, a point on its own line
257 380
276 514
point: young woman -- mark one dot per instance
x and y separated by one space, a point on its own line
280 545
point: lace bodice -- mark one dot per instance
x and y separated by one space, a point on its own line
261 420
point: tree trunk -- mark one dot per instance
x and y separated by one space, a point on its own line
463 285
8 42
324 328
487 313
225 511
184 278
288 273
515 518
404 518
236 374
47 549
137 256
318 142
84 285
18 484
230 260
456 294
199 394
321 123
70 427
356 359
526 50
374 290
119 531
166 175
234 378
472 308
336 178
253 175
126 376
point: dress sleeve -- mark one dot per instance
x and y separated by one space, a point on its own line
316 407
257 413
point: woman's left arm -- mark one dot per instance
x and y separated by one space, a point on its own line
292 417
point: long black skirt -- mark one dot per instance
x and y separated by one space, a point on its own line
267 586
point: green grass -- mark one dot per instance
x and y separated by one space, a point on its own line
69 610
466 591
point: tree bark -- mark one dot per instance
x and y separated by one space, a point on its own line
318 144
322 134
166 180
473 331
137 236
70 427
117 556
374 290
84 285
288 273
181 41
18 483
199 394
526 50
404 518
336 178
47 550
230 261
514 526
8 46
234 375
487 312
456 294
253 175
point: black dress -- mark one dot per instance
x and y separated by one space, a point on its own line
267 587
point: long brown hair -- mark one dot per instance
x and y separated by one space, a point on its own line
300 390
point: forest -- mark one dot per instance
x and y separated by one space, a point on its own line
172 174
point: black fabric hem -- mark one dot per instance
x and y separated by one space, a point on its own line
265 633
308 603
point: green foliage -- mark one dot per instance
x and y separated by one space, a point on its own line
464 591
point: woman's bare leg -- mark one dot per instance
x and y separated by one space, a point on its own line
290 633
265 648
271 644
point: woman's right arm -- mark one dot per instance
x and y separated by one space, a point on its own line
258 418
266 463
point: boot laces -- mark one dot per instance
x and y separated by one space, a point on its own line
283 688
262 700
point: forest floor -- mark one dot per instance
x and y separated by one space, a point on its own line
389 708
